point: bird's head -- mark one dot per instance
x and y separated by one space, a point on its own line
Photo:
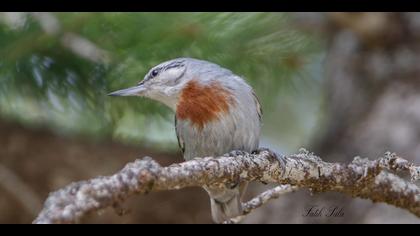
163 82
167 81
197 90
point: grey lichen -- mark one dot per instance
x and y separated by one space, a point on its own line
361 178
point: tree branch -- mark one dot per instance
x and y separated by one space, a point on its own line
361 178
262 199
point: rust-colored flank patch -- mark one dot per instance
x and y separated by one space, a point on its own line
203 103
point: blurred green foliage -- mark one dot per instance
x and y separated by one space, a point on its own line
44 78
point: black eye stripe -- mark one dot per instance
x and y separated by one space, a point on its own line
156 71
169 67
174 65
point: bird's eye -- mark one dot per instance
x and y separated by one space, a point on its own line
154 73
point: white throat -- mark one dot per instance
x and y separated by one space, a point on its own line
167 96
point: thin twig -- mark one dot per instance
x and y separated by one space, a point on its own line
262 199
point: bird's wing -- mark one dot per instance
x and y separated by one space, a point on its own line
258 104
180 140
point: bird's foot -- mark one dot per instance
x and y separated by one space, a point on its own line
263 149
235 153
271 153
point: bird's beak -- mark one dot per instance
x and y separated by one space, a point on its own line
133 91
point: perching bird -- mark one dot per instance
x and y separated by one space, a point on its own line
216 112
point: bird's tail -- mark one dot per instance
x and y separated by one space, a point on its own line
226 203
222 211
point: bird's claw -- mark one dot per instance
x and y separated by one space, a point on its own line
271 153
263 149
235 153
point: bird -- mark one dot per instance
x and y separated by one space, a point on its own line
216 113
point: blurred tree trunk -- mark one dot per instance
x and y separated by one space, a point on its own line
372 106
43 162
373 85
373 94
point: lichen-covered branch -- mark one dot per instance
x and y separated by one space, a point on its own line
262 199
361 178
